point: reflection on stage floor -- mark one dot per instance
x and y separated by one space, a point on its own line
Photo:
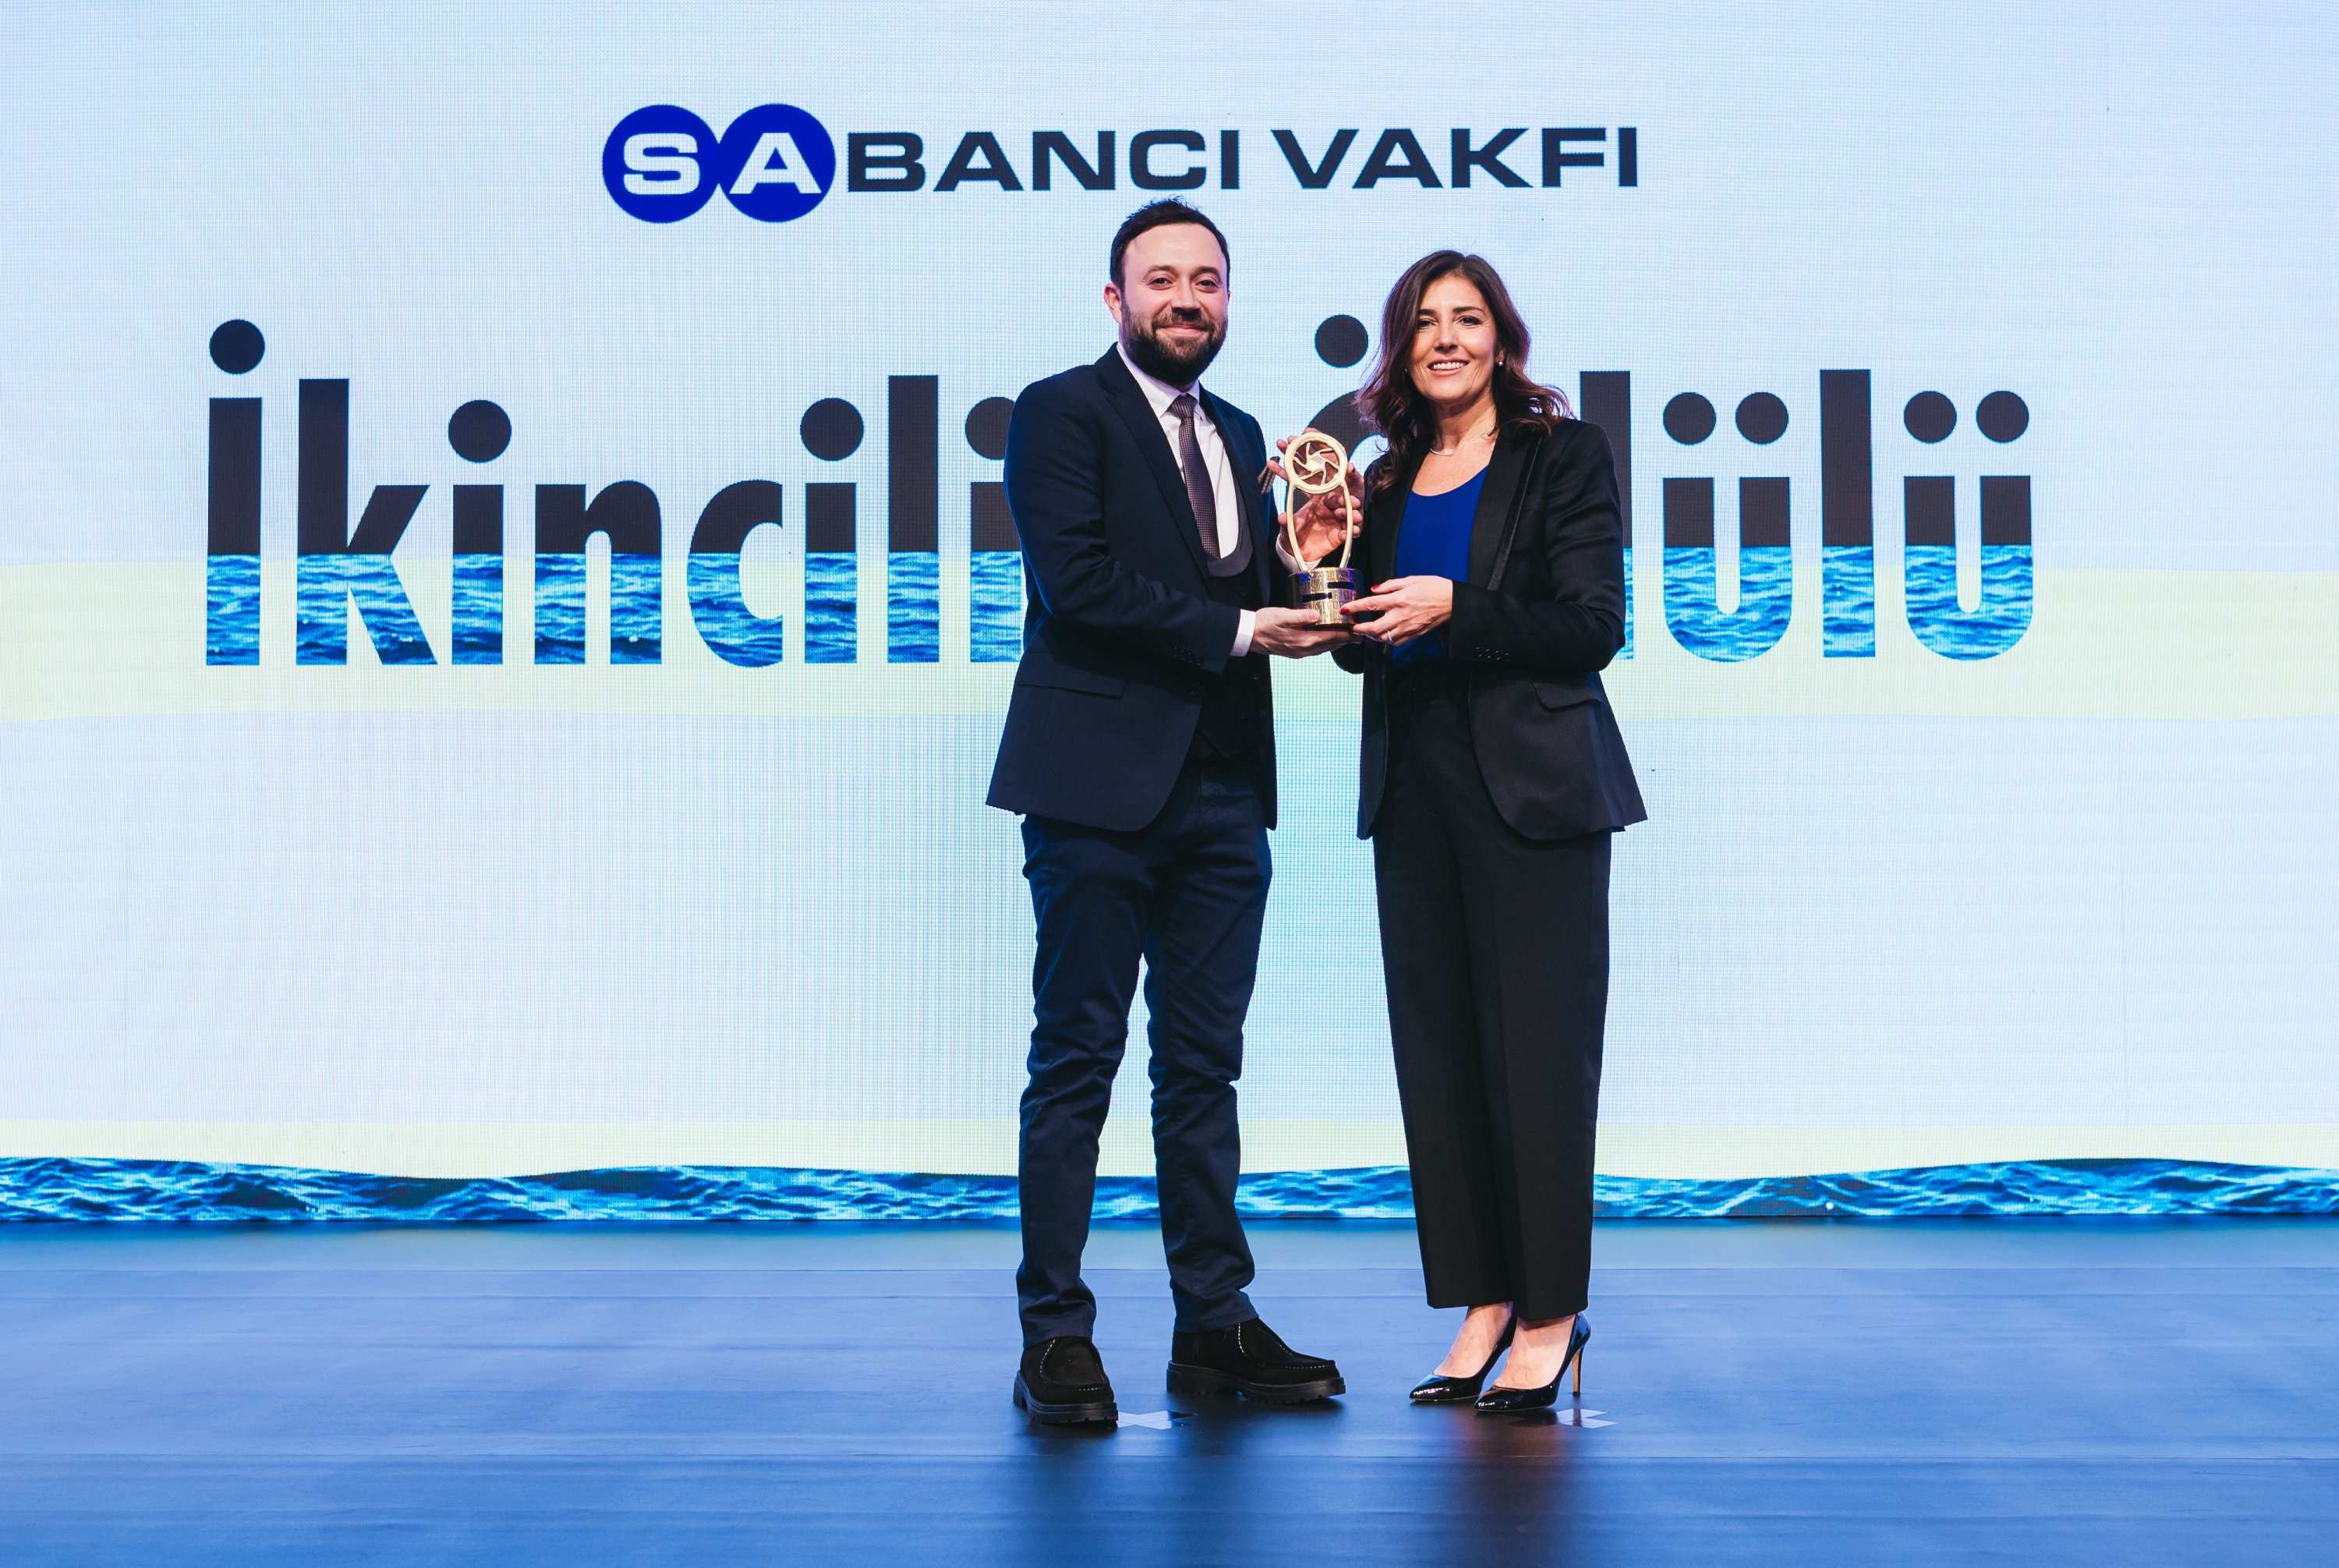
1901 1392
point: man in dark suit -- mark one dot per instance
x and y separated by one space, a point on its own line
1139 749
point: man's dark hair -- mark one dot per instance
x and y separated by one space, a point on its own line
1158 215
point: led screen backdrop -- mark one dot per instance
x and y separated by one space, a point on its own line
506 603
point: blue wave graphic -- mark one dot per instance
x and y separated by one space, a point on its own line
1848 601
478 609
719 608
324 585
1992 626
995 599
913 630
231 610
1766 598
1627 651
832 613
637 608
163 1190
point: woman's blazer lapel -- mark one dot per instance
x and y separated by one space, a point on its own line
1385 518
1490 520
1497 499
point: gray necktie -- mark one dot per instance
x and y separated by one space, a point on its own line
1199 493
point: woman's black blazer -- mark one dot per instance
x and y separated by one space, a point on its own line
1542 615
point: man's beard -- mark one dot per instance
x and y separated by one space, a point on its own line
1157 359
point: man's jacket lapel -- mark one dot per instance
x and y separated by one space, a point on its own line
1129 401
1247 459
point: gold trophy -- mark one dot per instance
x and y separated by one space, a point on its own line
1315 464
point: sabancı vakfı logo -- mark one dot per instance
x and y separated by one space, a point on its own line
662 164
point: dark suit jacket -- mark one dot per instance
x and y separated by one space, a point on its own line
1542 615
1121 636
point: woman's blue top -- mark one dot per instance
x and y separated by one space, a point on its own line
1434 541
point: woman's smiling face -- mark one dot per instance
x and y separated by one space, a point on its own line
1453 345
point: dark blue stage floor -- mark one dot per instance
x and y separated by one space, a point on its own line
2135 1392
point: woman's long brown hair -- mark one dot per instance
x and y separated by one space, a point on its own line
1392 405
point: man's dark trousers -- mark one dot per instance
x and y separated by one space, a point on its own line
1188 893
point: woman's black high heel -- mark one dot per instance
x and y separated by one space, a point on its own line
1501 1399
1436 1389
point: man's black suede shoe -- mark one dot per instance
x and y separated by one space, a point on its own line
1063 1383
1250 1359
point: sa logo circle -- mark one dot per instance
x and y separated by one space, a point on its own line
662 164
651 163
775 162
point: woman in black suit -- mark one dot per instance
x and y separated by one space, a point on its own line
1493 775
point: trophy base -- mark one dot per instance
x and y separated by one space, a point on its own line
1324 590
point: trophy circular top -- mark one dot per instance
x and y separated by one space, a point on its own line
1315 464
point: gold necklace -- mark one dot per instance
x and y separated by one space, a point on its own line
1486 435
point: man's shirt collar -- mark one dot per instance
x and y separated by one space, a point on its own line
1157 392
